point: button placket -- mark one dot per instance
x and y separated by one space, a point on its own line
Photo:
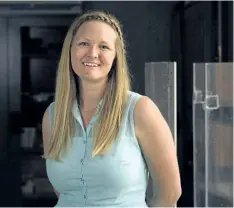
87 133
82 180
83 158
85 194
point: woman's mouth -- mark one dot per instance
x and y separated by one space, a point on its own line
90 64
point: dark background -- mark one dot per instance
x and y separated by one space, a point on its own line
30 43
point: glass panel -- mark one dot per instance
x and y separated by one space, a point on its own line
160 86
213 134
199 133
219 136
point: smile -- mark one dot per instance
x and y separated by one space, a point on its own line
91 64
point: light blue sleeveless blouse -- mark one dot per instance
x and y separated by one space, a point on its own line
117 179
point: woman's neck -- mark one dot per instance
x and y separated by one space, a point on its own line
90 95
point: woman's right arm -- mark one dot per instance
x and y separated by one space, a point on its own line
46 132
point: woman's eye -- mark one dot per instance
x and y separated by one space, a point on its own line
83 44
104 47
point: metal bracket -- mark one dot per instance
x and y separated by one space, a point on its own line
211 102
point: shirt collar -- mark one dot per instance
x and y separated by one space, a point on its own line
76 109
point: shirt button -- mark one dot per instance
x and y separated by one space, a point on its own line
85 196
81 160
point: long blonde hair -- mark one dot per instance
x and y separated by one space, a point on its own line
114 100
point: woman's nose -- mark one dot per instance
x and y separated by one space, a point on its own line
93 52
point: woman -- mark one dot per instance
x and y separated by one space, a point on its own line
96 132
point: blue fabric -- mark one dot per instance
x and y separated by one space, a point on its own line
119 178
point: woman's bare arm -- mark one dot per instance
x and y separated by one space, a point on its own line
159 149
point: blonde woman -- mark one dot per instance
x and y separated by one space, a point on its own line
101 139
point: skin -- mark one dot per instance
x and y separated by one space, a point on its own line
156 141
95 42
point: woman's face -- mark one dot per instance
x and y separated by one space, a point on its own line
93 51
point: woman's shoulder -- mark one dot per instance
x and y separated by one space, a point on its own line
50 107
140 103
46 132
132 99
47 113
132 95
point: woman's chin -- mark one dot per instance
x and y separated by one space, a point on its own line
94 78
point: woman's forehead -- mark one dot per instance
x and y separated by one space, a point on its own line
96 31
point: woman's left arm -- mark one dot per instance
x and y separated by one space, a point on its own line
157 143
